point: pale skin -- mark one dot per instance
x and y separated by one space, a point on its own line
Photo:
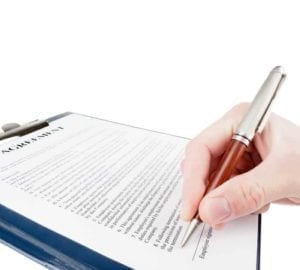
268 172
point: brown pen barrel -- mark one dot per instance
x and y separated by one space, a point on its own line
227 164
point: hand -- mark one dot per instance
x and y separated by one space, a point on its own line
269 171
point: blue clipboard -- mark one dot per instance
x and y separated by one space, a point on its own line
55 251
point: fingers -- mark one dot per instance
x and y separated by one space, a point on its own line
194 180
295 200
216 136
201 154
244 194
258 183
263 209
259 211
290 200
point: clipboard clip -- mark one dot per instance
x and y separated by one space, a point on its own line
14 129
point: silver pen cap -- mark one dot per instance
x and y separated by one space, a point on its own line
260 108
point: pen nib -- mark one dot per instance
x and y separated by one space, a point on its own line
191 227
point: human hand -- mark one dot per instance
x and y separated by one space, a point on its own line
269 171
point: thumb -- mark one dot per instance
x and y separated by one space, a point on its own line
244 194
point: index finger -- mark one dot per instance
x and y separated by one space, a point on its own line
200 153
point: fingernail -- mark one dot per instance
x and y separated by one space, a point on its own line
218 209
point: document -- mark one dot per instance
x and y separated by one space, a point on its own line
117 190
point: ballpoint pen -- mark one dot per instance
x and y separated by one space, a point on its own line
252 123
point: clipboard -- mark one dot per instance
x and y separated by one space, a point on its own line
55 251
44 246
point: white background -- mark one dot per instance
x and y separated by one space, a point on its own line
173 66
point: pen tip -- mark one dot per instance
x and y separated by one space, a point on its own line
191 227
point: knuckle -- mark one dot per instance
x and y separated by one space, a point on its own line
193 145
234 115
238 110
253 196
240 107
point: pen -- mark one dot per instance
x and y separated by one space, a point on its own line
252 123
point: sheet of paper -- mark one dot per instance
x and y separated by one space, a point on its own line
116 189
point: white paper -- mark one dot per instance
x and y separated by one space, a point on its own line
116 189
